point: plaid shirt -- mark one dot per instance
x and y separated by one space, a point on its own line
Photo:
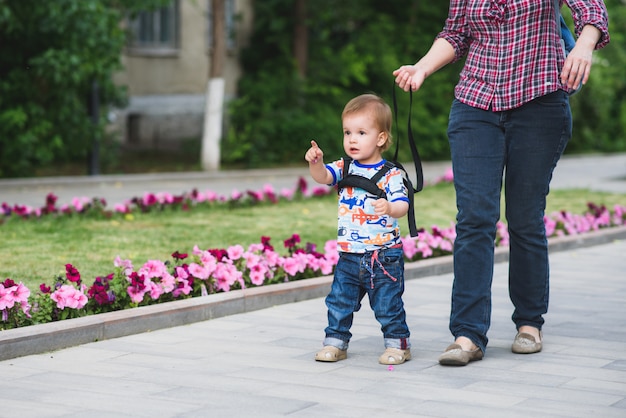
513 48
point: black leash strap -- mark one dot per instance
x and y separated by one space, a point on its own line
419 184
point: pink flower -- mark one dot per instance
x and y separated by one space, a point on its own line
168 282
121 208
181 273
79 203
272 258
155 290
326 266
409 247
182 287
211 196
200 272
70 297
253 248
287 193
6 298
226 275
125 265
330 249
235 252
153 268
291 266
257 274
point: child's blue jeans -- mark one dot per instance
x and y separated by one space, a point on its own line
380 275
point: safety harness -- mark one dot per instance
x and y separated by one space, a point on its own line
370 184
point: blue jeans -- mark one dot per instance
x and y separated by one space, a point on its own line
525 144
378 274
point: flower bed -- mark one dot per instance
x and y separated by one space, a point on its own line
206 271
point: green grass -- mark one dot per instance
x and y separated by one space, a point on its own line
36 250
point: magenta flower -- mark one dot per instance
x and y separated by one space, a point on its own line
266 243
138 287
179 256
268 190
99 291
149 199
72 274
292 242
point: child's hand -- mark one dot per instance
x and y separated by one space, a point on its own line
314 154
381 207
395 210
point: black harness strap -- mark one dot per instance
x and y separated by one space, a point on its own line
416 155
369 185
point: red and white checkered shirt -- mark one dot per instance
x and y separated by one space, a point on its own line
513 48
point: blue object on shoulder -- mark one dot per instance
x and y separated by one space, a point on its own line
568 37
568 42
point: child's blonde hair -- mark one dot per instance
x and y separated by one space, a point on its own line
381 113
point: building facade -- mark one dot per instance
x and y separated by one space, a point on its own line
166 70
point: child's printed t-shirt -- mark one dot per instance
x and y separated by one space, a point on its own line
359 228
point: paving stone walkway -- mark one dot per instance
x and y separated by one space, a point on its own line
260 364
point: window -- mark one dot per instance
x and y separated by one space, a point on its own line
156 31
229 8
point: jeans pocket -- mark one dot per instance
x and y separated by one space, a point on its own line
556 98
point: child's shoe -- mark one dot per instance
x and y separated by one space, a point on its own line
395 356
330 353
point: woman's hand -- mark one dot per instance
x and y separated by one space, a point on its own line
409 77
577 65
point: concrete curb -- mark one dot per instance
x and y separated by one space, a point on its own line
43 338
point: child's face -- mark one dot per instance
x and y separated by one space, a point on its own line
362 138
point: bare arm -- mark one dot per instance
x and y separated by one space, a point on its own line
413 76
317 168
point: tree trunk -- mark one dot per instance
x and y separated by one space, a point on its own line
301 38
214 107
218 50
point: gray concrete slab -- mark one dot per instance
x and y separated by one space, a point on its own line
261 363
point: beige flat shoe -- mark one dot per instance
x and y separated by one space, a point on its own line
456 356
331 354
526 344
394 356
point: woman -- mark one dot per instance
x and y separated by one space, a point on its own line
510 116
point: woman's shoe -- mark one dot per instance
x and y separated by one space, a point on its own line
525 343
456 356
